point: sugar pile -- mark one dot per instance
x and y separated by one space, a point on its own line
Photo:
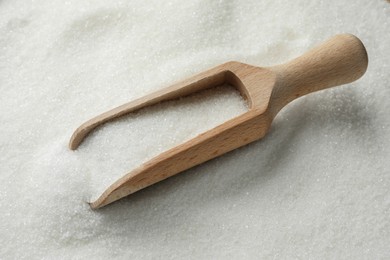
153 130
316 187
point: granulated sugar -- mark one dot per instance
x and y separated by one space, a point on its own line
154 130
317 187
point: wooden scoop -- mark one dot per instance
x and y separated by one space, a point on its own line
340 60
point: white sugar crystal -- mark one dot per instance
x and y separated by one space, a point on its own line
317 187
121 146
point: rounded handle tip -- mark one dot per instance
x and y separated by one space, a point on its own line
340 60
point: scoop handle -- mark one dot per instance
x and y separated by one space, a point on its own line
339 60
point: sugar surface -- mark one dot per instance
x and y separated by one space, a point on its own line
127 143
316 187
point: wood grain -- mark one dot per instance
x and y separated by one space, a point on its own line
340 60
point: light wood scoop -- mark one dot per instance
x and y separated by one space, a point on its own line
339 60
